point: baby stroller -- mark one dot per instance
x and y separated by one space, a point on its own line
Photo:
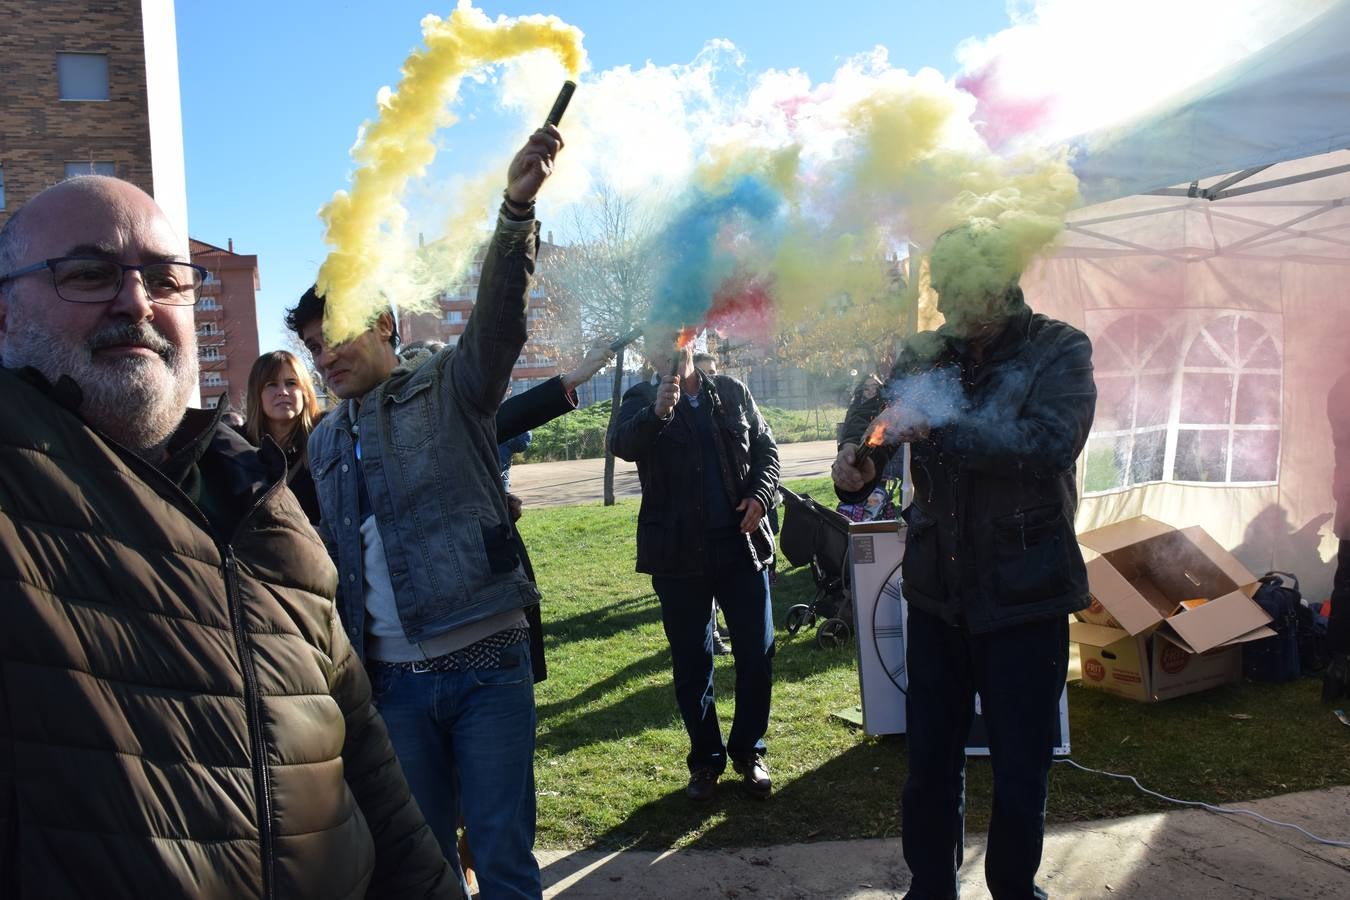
817 536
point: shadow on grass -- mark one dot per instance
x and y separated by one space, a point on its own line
822 803
634 671
652 706
604 621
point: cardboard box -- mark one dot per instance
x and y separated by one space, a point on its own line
1143 636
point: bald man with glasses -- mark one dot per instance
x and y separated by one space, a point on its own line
181 714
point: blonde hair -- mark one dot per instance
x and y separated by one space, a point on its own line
265 369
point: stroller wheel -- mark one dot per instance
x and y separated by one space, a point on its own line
797 616
833 634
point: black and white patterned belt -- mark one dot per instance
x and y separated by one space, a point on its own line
484 654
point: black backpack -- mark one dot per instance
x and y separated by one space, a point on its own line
1276 658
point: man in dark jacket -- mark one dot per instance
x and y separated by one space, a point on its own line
709 470
996 406
181 714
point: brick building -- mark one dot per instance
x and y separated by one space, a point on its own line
91 86
553 334
82 94
227 322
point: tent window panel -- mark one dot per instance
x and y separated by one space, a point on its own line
1121 460
1136 357
1150 449
1155 399
1115 403
1256 456
1231 381
1206 398
1195 397
1105 466
1258 400
1201 456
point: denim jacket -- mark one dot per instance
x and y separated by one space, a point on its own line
429 457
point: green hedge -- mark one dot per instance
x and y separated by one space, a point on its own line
581 434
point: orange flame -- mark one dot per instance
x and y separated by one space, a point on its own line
686 335
877 437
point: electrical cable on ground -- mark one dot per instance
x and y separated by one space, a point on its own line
1208 806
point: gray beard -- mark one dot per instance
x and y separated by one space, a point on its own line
138 402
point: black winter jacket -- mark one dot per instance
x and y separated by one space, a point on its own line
671 529
991 539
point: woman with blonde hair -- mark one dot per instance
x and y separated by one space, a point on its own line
282 405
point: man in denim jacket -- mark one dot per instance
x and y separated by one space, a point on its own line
431 587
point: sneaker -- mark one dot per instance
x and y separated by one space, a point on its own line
702 785
720 645
754 774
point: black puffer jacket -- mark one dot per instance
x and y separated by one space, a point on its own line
671 530
181 714
991 538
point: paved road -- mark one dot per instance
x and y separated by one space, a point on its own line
582 480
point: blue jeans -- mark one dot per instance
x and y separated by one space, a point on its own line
1019 674
466 744
686 612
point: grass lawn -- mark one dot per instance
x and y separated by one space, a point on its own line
610 760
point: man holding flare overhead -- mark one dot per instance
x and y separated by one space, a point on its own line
432 590
996 406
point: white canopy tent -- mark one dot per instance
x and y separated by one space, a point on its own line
1217 296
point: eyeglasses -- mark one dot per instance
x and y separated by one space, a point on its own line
89 279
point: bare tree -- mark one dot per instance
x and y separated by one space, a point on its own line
852 332
607 275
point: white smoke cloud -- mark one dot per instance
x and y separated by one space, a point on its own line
1100 62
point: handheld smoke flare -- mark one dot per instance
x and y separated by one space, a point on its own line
625 340
686 335
876 436
560 105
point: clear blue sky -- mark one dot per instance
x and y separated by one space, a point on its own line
273 92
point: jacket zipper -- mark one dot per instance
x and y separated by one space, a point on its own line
262 787
253 709
252 696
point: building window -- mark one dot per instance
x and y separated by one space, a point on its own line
82 76
212 379
1191 397
206 328
208 303
209 353
212 402
454 317
90 168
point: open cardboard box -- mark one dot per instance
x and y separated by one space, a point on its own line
1142 637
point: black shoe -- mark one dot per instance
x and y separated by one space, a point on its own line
1336 681
754 774
720 646
702 785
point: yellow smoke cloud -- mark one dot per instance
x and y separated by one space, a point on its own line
367 267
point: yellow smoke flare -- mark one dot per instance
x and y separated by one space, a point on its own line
366 269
